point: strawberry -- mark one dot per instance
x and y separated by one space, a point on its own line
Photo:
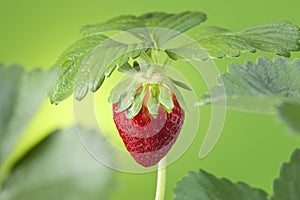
149 139
147 112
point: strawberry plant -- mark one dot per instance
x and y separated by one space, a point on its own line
148 94
147 104
148 109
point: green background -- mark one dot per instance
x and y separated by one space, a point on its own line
252 146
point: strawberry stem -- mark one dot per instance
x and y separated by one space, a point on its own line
161 180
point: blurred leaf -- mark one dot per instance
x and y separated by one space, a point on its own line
287 186
22 95
58 168
290 114
279 37
202 185
259 87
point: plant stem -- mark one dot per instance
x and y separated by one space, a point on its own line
161 180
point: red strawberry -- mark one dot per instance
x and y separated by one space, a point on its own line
148 139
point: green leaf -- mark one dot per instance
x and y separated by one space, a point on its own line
180 22
69 63
116 92
287 185
279 37
180 84
127 96
202 185
172 54
165 98
23 93
259 87
58 168
101 61
176 21
153 101
290 114
176 92
98 59
136 105
126 68
135 51
86 63
123 23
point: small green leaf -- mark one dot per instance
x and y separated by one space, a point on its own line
279 37
165 98
287 185
116 92
58 168
180 84
153 102
202 185
260 87
176 92
290 114
136 105
127 96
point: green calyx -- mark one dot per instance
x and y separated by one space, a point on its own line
144 85
138 94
